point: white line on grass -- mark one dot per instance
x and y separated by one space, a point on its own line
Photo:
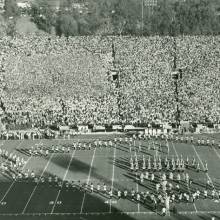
156 151
13 182
168 147
138 204
218 155
37 183
194 205
76 213
113 177
64 178
199 212
137 189
203 165
87 182
128 180
104 213
6 161
174 148
12 150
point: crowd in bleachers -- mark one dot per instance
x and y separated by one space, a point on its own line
200 91
52 80
147 84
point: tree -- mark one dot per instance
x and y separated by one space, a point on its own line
66 25
66 5
11 9
11 27
196 17
7 26
84 27
115 16
126 18
3 26
163 18
43 15
189 17
98 14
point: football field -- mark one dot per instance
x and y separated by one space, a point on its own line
109 165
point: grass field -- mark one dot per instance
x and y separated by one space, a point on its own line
27 200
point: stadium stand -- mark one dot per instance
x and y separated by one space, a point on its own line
50 83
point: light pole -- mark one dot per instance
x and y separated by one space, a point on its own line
2 86
116 80
177 73
176 77
142 17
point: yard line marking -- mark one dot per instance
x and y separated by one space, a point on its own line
113 176
77 138
194 205
13 182
88 179
174 148
199 212
104 213
107 213
168 147
138 204
218 155
37 184
128 180
1 157
203 165
156 151
6 161
76 213
64 178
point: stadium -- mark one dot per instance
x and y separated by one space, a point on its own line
109 127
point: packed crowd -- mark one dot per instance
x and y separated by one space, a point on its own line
149 90
199 89
59 81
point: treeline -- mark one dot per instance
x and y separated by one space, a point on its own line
124 17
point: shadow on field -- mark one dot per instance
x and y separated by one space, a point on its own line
76 165
78 217
72 200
